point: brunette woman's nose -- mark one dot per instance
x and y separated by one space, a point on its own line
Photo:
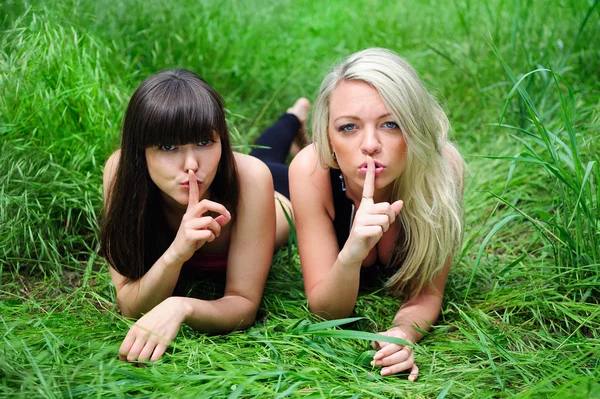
190 161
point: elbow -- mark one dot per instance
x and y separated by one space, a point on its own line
126 310
247 322
321 309
247 315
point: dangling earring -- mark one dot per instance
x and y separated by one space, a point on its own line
335 162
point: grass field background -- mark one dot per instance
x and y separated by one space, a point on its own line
520 82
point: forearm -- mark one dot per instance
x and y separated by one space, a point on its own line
140 296
421 312
223 315
335 296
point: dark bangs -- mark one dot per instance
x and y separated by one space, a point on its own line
179 108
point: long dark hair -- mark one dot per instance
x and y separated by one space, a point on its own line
170 107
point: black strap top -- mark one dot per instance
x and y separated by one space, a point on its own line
344 216
344 207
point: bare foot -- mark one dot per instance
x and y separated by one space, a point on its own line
300 110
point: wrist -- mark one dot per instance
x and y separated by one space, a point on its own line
180 307
345 260
402 332
170 257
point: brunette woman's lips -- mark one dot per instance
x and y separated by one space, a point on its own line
187 184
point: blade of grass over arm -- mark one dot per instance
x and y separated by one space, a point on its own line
358 335
325 325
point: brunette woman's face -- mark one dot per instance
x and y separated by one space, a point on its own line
168 167
361 125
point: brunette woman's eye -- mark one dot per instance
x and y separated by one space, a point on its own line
347 128
205 143
166 147
390 125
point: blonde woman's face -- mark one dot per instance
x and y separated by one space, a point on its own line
168 167
360 125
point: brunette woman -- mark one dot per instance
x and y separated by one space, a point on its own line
180 203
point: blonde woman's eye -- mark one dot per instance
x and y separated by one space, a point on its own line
166 147
205 143
390 125
347 128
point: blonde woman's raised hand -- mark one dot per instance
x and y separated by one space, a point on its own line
371 221
196 229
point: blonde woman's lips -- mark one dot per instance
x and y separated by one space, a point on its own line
378 168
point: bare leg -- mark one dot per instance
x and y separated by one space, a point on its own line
300 110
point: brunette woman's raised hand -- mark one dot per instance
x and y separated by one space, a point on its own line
371 221
195 228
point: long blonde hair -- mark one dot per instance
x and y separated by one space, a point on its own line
432 216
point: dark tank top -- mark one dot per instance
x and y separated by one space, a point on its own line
344 207
371 277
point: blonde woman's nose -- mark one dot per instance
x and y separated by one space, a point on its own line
370 143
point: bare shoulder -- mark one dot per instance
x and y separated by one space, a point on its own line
256 183
306 161
111 163
110 169
306 167
309 180
455 160
251 170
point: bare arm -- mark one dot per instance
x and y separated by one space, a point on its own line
249 259
332 277
419 311
331 286
422 310
250 250
140 296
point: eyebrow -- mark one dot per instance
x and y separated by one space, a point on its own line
356 118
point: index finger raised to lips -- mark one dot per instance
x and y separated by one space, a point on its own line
211 206
369 187
194 193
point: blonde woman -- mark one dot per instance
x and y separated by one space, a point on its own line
378 192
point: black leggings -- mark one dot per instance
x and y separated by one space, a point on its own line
278 138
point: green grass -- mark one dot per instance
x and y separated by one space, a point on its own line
520 82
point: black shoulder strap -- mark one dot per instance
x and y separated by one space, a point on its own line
344 207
